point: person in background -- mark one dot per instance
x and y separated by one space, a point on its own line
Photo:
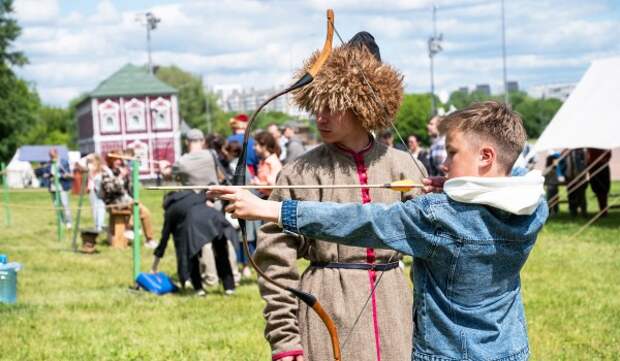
417 151
274 130
233 152
573 165
386 137
238 124
552 181
176 207
268 151
198 165
115 192
601 181
437 152
95 166
294 147
216 144
64 179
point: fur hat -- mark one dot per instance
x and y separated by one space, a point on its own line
340 86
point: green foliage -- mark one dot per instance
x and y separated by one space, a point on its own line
536 113
18 103
52 126
194 103
18 109
413 115
9 31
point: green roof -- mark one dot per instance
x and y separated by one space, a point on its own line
131 80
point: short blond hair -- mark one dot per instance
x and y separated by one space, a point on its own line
492 121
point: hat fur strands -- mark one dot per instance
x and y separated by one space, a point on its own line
347 82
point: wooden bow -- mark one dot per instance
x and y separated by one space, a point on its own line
240 179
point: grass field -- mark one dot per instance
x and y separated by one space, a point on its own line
78 307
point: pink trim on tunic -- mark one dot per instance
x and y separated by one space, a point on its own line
287 353
362 175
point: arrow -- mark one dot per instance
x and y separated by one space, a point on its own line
398 186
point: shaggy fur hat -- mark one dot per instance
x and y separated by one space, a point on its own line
340 86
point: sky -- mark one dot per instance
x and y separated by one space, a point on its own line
74 45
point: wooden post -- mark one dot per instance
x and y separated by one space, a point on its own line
5 191
57 202
83 187
137 243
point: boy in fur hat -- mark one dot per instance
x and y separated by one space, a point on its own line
342 277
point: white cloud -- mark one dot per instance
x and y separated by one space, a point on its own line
259 43
36 11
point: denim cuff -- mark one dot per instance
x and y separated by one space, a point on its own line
288 216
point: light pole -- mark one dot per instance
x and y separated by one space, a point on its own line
434 47
506 99
150 21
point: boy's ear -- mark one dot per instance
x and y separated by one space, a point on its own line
488 155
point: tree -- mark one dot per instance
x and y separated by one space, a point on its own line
52 125
536 113
193 102
414 113
18 103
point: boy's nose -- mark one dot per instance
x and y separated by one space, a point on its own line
444 167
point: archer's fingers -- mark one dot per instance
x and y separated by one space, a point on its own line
227 197
217 190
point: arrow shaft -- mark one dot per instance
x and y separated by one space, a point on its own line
303 186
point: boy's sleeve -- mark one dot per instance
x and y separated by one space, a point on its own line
405 227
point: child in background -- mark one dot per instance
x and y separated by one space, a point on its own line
269 166
470 239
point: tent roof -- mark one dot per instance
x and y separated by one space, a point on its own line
40 153
589 117
132 80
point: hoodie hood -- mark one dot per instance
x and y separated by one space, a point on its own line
518 195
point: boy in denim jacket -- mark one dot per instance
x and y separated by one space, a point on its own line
470 237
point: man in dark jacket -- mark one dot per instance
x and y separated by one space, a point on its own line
193 225
61 168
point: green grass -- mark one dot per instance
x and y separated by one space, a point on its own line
79 307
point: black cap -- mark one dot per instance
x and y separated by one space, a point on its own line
363 38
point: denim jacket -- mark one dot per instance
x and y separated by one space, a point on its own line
467 259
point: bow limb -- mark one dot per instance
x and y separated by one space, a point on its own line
240 179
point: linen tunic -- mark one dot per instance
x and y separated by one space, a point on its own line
384 331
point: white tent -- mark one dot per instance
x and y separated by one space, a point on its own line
20 173
589 117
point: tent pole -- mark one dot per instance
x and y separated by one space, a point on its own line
6 197
597 216
570 187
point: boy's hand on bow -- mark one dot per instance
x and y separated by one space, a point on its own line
433 184
245 205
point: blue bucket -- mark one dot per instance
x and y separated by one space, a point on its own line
8 280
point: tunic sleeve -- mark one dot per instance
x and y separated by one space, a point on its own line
277 254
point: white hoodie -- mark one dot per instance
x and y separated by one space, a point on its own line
518 194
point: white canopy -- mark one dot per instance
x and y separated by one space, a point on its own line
20 173
590 116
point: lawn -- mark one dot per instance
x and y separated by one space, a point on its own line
73 306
